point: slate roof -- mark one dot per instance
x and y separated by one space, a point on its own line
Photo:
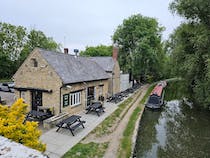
73 69
107 63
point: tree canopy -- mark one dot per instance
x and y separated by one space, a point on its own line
100 50
190 48
15 45
139 39
194 11
12 126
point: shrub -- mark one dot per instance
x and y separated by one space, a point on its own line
12 126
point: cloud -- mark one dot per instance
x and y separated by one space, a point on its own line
82 23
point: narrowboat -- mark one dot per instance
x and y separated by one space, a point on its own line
155 100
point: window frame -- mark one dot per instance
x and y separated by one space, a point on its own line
75 98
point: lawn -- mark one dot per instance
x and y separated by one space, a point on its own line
89 150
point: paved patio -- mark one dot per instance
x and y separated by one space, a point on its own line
58 143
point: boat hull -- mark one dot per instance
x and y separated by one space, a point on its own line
154 106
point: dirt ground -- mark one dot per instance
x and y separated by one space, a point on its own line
115 137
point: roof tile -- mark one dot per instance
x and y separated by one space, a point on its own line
73 69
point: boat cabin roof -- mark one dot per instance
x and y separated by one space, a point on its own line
157 90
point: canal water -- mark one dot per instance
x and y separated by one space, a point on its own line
179 130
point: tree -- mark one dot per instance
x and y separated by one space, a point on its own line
139 39
15 45
100 50
12 40
6 66
37 39
190 48
194 11
13 127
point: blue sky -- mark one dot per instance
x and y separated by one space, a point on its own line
81 23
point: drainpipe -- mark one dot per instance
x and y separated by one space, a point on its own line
112 84
60 98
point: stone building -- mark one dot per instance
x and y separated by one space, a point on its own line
59 81
112 68
63 82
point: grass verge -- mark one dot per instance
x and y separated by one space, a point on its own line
104 127
126 142
97 150
147 94
87 150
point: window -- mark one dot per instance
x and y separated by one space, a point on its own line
72 99
34 62
75 98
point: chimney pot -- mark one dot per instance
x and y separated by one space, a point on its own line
66 50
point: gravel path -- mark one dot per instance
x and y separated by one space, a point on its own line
118 133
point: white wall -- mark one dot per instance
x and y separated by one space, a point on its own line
124 82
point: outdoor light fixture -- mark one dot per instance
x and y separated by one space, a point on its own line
68 86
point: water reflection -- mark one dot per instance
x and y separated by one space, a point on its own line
187 132
177 131
147 134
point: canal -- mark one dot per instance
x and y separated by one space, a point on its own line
179 130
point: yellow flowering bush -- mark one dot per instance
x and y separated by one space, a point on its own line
12 126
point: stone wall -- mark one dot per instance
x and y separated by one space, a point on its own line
83 88
116 78
41 77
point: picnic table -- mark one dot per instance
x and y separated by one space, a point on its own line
36 115
71 123
95 107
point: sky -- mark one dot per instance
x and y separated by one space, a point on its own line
76 24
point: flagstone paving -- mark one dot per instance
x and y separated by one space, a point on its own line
58 143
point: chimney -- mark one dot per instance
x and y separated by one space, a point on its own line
76 51
115 52
66 50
